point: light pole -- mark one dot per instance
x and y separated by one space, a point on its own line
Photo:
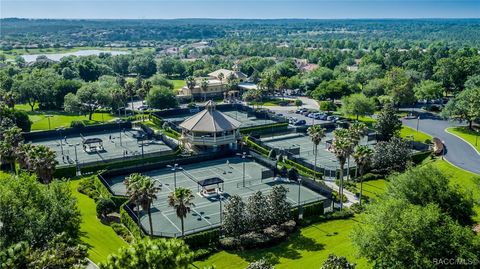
244 155
60 129
76 156
175 167
221 214
48 117
299 192
120 130
418 122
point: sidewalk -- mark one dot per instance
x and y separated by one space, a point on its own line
330 182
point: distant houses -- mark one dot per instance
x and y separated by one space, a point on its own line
217 85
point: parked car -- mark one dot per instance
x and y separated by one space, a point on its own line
143 107
300 122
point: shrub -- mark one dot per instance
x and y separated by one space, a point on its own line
230 243
289 226
336 197
78 124
260 264
122 231
203 253
357 208
130 223
298 102
327 106
274 232
104 207
314 209
203 239
372 176
253 240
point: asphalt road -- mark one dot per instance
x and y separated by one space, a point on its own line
458 152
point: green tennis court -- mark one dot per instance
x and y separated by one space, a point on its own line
206 213
114 145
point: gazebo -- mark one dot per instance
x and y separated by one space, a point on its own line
92 145
210 128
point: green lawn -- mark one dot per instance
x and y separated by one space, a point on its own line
178 83
373 188
417 136
470 136
59 119
306 249
369 121
467 181
100 238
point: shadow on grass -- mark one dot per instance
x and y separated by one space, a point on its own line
290 249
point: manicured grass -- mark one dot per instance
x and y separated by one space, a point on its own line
369 121
407 132
100 238
60 119
308 248
178 83
466 181
373 188
470 136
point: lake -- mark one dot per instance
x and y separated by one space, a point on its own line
58 56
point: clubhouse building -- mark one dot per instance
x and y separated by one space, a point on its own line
210 128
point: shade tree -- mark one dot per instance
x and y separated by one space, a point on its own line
358 105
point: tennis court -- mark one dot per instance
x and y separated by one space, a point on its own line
206 212
325 158
114 145
247 119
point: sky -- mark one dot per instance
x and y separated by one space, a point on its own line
262 9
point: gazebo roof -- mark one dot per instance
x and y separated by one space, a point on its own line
92 140
210 120
210 181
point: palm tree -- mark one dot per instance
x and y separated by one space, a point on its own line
22 153
191 83
221 76
133 183
342 147
204 86
148 193
363 157
42 161
10 139
316 133
181 200
357 131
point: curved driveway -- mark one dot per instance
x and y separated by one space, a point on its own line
458 152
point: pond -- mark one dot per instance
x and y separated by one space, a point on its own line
58 56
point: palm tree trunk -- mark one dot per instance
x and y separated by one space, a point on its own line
138 214
150 219
340 191
183 229
315 166
361 188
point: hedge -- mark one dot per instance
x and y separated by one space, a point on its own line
203 239
130 223
156 120
263 151
303 169
314 209
265 128
420 156
66 171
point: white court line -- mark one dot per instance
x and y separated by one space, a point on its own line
169 220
